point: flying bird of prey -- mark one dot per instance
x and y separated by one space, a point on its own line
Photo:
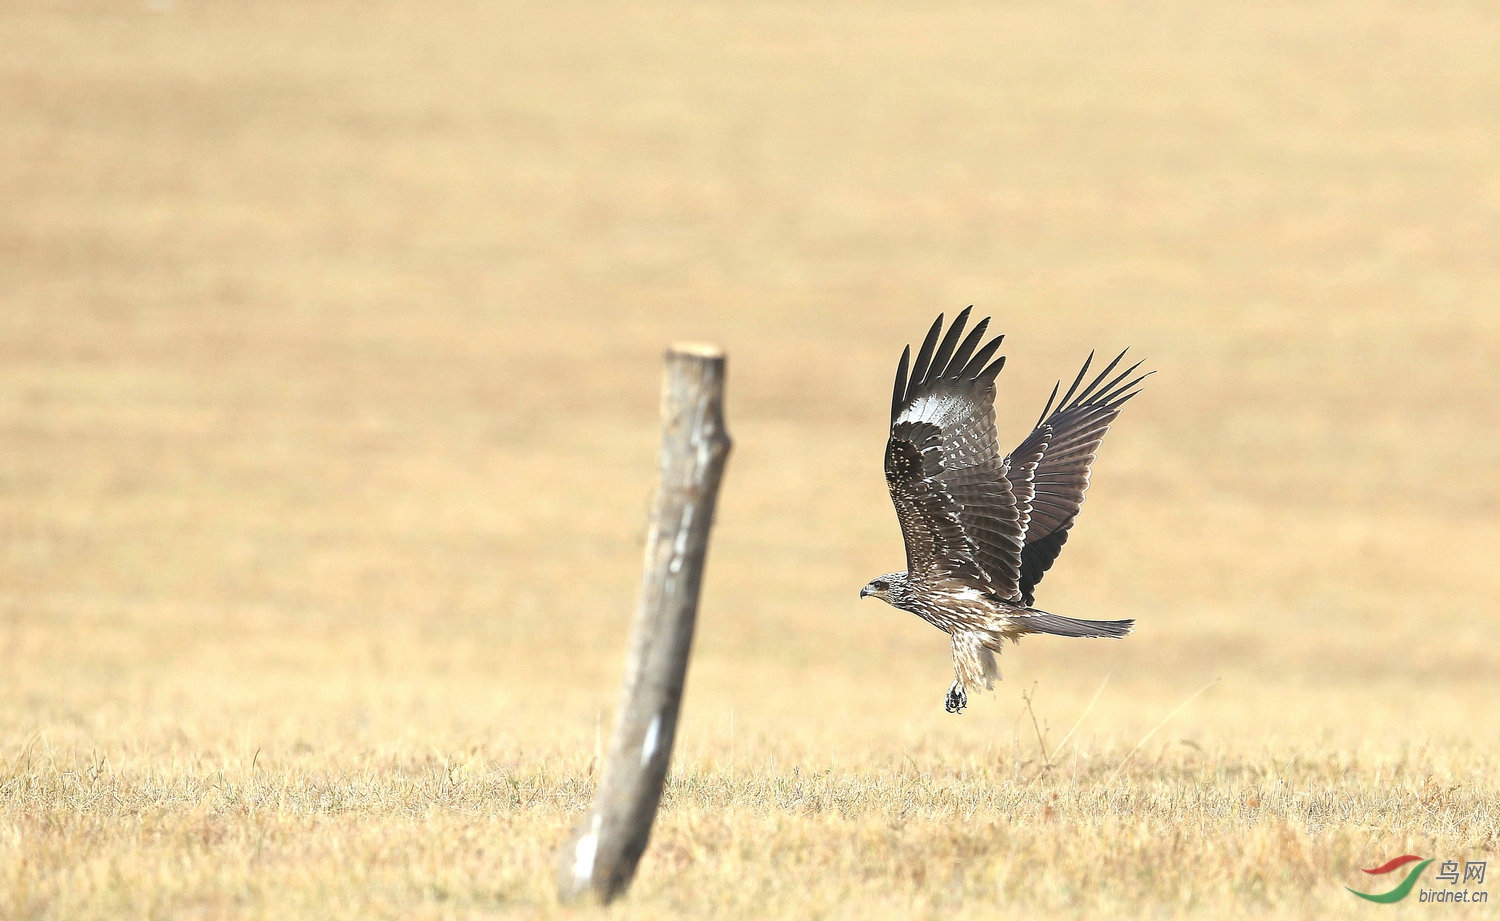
981 529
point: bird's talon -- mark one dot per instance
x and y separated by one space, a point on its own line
957 699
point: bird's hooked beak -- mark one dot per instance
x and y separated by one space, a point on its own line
867 590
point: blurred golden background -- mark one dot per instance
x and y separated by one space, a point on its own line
331 338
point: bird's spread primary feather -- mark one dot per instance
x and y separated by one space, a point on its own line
982 529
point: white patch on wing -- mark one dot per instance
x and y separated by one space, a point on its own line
968 594
926 408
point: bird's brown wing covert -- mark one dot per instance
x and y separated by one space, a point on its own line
943 466
1067 439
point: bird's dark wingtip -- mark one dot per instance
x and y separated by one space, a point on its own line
899 396
950 356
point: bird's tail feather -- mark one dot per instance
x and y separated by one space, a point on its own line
1057 625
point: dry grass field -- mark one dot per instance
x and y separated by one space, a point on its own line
330 337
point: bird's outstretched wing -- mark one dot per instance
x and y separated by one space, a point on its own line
1065 440
943 466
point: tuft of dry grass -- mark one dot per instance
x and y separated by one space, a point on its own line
1190 831
329 342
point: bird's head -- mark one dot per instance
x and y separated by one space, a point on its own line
884 587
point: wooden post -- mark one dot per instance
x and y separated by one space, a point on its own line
601 855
